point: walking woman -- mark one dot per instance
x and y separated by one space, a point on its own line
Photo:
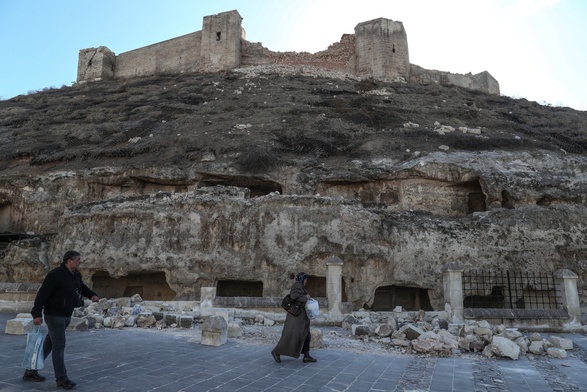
295 337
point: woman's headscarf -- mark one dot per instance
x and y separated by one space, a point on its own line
301 276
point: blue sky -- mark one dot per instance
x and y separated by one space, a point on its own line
536 49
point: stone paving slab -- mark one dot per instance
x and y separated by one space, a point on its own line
134 360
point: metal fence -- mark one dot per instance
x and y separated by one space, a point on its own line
510 290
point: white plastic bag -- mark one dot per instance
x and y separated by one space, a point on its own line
312 308
33 353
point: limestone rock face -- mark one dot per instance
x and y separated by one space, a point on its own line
326 167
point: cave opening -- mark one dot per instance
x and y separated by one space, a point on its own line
409 298
239 288
151 286
5 214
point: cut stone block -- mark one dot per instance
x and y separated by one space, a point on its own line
214 331
19 326
78 324
186 321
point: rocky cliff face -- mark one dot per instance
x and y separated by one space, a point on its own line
238 180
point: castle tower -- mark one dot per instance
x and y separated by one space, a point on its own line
221 41
381 50
95 64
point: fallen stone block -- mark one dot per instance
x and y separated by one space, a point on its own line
130 321
384 330
317 338
214 331
536 347
503 347
360 330
19 326
558 353
186 321
78 324
234 330
558 342
171 319
349 321
145 320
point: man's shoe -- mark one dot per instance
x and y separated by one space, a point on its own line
308 358
32 375
276 357
66 384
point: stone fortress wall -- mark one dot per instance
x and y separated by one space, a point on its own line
378 49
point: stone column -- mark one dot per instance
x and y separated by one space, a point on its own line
566 284
452 279
207 297
334 286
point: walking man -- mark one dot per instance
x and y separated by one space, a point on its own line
60 293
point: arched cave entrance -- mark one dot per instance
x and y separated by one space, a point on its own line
239 288
475 197
151 286
409 298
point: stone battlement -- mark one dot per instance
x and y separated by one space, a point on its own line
378 49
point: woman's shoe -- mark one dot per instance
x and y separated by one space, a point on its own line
276 357
308 358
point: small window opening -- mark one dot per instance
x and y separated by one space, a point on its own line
218 35
393 48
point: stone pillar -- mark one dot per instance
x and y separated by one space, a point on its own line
334 286
207 297
566 284
452 279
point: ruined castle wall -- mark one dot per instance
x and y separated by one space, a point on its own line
178 55
378 49
381 50
482 81
338 57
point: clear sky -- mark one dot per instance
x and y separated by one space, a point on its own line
536 49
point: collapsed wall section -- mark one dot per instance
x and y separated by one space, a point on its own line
483 81
338 57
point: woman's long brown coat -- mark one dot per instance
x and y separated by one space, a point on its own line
296 328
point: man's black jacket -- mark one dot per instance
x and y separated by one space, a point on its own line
57 295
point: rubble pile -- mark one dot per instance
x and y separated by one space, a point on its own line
435 336
397 332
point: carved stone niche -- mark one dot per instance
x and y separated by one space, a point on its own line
151 285
409 298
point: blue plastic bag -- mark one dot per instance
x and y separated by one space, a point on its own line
312 308
33 353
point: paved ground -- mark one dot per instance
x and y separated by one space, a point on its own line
134 360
